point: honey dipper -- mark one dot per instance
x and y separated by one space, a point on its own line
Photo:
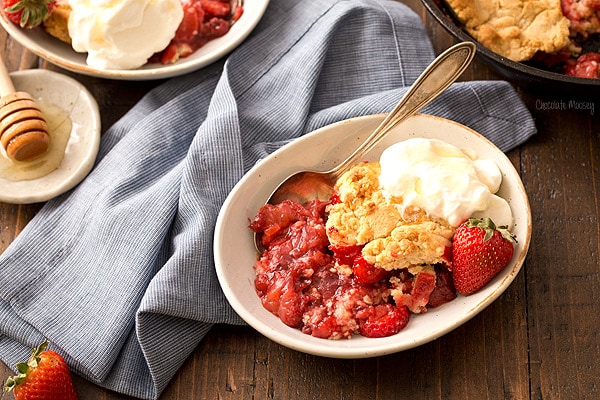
23 128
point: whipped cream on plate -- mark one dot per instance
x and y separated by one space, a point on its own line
122 34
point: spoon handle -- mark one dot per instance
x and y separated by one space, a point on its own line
436 78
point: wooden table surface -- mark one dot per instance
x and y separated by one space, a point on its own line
539 340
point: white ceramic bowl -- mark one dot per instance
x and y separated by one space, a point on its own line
82 147
63 55
235 254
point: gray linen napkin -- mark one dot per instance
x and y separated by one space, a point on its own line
118 274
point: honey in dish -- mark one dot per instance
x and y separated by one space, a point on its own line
60 127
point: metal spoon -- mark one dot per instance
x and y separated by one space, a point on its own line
305 186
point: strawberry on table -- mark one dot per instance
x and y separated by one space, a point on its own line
480 250
45 376
28 13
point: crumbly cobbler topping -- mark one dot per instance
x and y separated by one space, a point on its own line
393 237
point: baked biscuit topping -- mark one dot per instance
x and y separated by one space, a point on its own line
394 237
408 245
515 29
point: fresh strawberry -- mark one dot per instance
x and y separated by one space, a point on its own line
28 13
45 376
480 250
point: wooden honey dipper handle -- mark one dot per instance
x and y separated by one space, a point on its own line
6 83
23 128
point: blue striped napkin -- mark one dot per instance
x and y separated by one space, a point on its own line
118 274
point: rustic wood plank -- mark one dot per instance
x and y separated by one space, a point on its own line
539 340
560 169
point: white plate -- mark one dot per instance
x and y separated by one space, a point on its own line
235 254
82 147
61 54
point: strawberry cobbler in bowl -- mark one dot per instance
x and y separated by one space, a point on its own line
385 264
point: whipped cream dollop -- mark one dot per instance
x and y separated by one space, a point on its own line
445 181
122 34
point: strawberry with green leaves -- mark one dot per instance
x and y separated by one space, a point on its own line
27 13
45 376
480 250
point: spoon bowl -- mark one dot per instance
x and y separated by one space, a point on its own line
304 186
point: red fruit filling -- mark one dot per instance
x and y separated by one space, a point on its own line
203 21
586 66
331 291
383 320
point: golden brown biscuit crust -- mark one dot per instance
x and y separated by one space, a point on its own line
393 238
515 29
57 23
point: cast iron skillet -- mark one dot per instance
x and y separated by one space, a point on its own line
525 74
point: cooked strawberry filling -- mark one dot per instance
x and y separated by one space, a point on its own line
576 60
586 66
203 21
332 292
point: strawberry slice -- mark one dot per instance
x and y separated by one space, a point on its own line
480 250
